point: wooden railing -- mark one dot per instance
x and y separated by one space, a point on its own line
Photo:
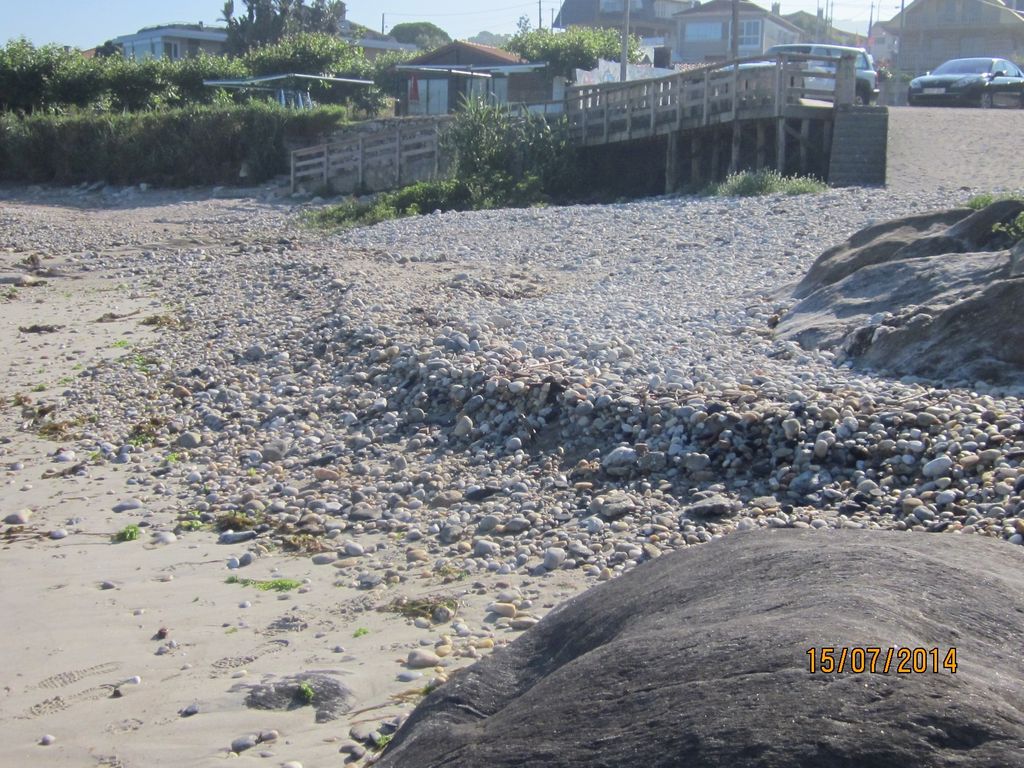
720 93
350 162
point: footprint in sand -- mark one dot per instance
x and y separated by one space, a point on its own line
64 679
234 662
60 703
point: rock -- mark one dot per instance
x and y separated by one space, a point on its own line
243 743
486 548
613 505
21 517
553 557
712 506
701 632
463 426
620 461
236 537
47 739
937 467
164 537
58 533
363 511
421 658
927 295
446 498
189 440
127 505
507 610
274 450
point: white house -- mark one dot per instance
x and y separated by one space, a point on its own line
174 41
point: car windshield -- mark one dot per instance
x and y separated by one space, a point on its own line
963 67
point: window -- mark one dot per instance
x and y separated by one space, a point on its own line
170 50
612 6
750 34
702 31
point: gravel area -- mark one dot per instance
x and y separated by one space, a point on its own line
533 389
508 405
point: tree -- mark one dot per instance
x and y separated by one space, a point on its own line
490 38
576 48
108 49
267 21
422 34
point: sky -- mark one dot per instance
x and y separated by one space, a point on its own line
86 23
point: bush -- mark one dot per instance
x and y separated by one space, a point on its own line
764 182
499 160
175 147
986 199
51 79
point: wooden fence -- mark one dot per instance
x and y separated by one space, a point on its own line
747 89
379 160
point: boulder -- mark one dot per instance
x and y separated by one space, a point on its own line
943 303
699 658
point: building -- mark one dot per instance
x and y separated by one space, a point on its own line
436 82
703 33
647 18
934 31
373 47
173 41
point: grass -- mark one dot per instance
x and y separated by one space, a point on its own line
1014 229
986 199
162 321
361 632
39 388
381 741
266 585
128 533
122 344
305 692
423 197
144 432
764 182
449 573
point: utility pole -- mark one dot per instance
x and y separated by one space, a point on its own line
540 18
382 23
899 44
625 44
734 43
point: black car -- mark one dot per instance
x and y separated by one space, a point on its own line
970 82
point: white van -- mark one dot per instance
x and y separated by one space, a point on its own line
867 77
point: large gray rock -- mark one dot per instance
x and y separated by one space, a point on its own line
699 658
943 303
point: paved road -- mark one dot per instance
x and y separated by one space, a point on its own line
935 147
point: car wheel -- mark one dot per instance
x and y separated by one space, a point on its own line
985 102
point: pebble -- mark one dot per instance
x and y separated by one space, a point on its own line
127 505
21 517
420 659
243 743
47 739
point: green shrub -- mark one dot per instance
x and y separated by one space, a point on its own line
422 197
986 199
764 182
1014 229
174 147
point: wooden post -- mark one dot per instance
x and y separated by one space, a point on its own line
437 150
762 150
734 154
846 80
293 173
359 165
696 145
780 145
707 96
653 90
398 157
326 157
680 91
672 163
805 143
780 89
716 159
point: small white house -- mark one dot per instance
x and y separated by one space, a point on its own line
174 41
